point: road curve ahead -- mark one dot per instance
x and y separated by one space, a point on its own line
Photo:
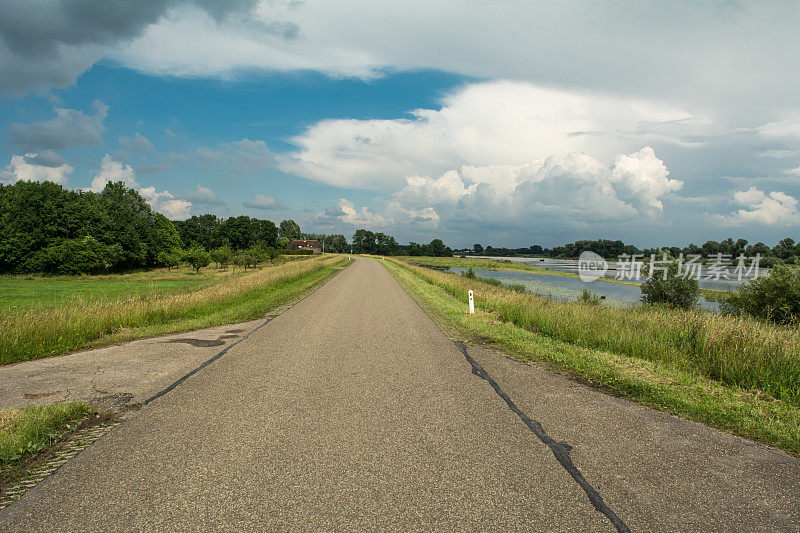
350 411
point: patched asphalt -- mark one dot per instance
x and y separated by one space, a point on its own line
352 411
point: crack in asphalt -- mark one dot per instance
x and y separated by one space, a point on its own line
560 449
205 363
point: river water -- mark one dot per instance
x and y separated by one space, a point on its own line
571 266
569 289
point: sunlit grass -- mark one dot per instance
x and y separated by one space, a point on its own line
82 322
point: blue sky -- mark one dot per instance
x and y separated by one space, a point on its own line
505 123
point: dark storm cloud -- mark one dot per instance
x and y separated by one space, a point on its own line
44 44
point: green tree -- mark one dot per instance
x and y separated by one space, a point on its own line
670 288
222 256
203 230
169 259
436 248
290 229
36 215
131 225
71 256
364 242
336 244
165 236
266 233
197 257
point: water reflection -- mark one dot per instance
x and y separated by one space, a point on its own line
571 266
569 289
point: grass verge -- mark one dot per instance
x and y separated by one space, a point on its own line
641 354
85 323
24 433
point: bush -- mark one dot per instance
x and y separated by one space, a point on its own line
517 287
468 273
775 298
671 289
588 297
296 252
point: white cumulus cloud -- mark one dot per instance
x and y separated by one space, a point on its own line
761 208
481 124
165 203
111 170
161 201
574 190
27 167
345 212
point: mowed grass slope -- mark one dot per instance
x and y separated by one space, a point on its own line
94 320
736 374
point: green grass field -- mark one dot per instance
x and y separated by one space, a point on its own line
94 319
736 374
23 292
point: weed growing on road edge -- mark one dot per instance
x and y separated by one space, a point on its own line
26 432
621 350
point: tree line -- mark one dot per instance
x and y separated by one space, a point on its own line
367 242
45 228
787 251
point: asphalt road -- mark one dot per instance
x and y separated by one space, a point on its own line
352 411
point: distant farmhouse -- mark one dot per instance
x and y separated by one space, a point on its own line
305 244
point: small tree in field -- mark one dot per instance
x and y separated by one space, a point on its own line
670 288
222 256
197 257
169 259
245 259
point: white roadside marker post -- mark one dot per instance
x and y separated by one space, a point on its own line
471 304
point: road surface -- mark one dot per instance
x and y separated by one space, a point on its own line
352 411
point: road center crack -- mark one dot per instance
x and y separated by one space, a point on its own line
560 450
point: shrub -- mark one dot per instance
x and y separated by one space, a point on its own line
468 273
671 289
588 297
296 252
517 287
775 297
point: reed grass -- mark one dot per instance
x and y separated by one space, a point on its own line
86 321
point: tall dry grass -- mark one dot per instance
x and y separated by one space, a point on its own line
734 350
78 323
